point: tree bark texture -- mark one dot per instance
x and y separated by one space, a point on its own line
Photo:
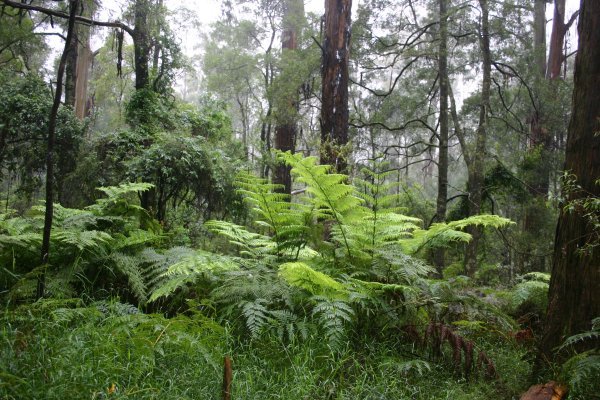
476 171
574 296
557 38
334 73
286 125
49 212
141 43
539 29
442 193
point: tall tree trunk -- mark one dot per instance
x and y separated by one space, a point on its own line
476 171
142 48
539 40
334 73
574 296
557 38
141 43
49 212
442 193
285 130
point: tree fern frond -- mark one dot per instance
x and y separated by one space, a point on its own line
444 234
200 265
131 268
301 275
251 244
92 241
256 315
333 316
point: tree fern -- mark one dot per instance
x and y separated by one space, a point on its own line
332 198
283 219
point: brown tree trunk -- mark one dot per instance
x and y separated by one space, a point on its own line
285 129
442 164
557 38
574 296
48 215
334 74
476 171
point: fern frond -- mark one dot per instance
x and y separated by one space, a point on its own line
332 199
317 283
256 316
131 268
251 244
444 234
282 218
419 367
200 265
333 316
92 241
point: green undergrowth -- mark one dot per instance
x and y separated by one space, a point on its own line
65 350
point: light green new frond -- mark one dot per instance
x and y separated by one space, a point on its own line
331 197
317 283
485 220
281 218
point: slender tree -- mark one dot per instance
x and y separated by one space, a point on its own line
334 74
49 212
476 169
442 163
574 296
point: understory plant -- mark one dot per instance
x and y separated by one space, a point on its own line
331 258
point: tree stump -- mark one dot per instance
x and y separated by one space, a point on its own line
545 391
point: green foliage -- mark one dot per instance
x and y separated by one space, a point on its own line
91 248
25 103
531 295
581 371
57 350
443 234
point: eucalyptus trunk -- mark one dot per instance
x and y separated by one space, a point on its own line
286 124
477 168
574 295
334 74
442 163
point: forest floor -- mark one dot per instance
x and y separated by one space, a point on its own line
56 350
